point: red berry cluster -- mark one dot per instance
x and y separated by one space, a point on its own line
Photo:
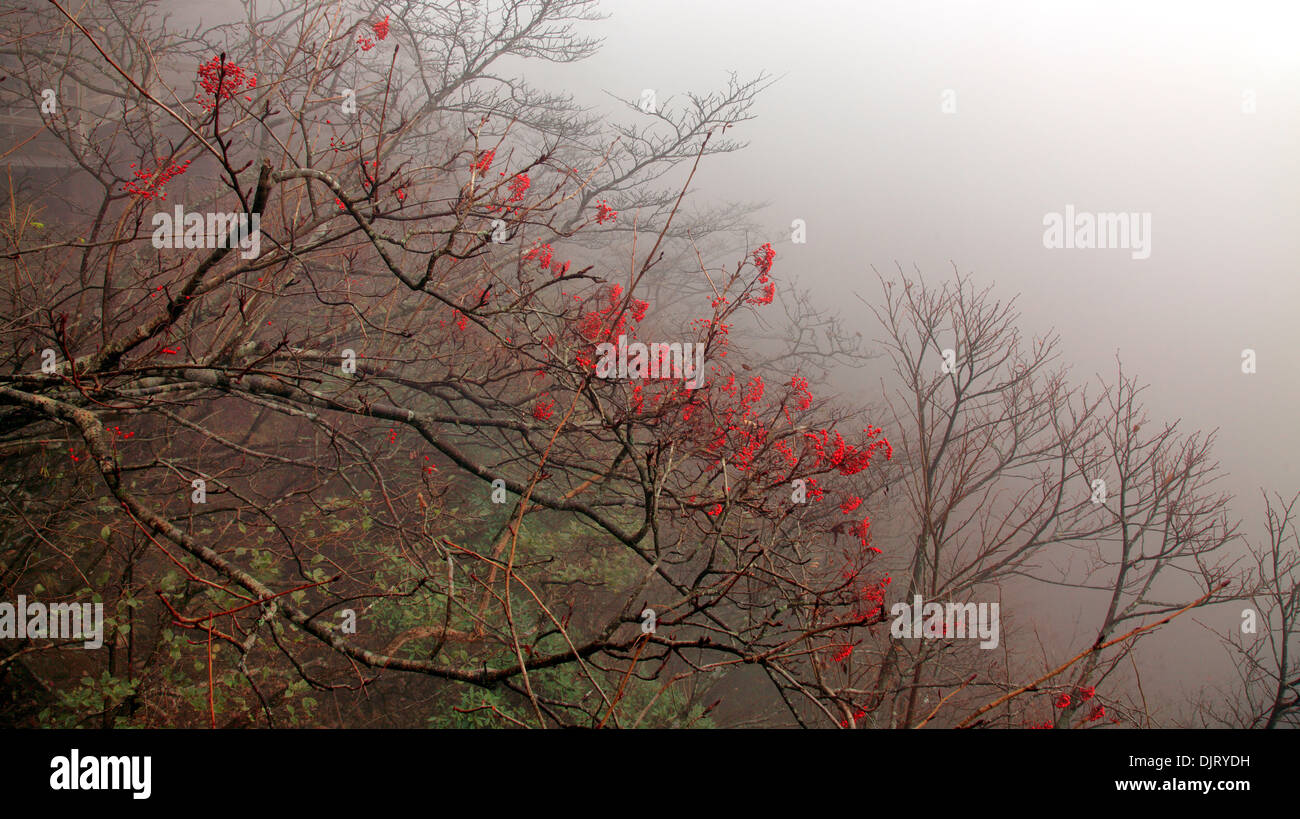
518 186
222 80
604 213
601 324
857 715
800 387
849 460
763 258
484 162
148 184
543 410
860 530
544 255
871 596
815 491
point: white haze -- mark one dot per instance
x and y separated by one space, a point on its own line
1106 106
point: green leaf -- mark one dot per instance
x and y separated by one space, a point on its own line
105 533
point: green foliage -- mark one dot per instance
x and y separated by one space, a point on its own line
642 705
91 696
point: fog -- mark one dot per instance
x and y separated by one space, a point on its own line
1103 106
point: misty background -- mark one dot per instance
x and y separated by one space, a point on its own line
1106 106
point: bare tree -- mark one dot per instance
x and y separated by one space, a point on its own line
1263 649
1005 468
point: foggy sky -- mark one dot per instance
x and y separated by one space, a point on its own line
1105 106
